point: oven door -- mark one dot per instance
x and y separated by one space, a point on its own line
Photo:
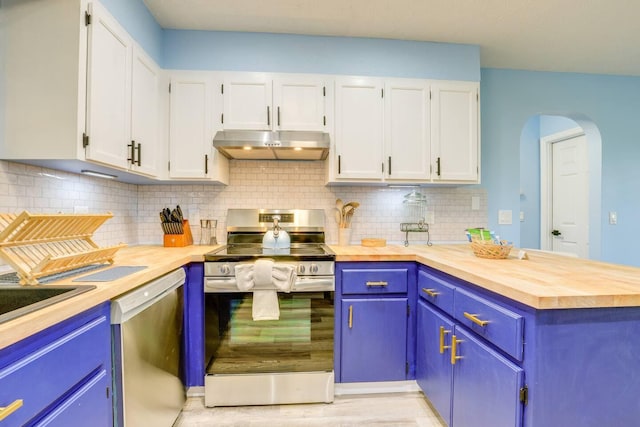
300 341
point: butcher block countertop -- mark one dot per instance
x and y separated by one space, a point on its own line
544 281
157 259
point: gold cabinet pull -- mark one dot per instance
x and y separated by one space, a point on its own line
443 332
454 349
380 283
474 319
350 316
431 292
10 409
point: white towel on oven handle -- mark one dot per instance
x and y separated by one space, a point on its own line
265 278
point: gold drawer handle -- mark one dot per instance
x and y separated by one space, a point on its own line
454 349
350 316
10 409
443 332
381 283
475 320
431 292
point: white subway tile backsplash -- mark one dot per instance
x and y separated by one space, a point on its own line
253 184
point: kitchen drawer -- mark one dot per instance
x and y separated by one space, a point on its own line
436 291
375 281
41 377
503 327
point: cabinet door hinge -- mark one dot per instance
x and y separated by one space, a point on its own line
87 18
324 91
85 140
108 392
222 88
524 395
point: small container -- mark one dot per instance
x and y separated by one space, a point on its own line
208 231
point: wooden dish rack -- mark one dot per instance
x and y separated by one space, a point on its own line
37 245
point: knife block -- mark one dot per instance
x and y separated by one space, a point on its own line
179 240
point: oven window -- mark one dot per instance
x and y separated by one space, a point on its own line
300 341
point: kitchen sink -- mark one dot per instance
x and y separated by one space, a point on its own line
16 301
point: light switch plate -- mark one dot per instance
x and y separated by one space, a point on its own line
521 216
613 218
505 217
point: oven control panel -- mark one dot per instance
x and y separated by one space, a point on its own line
303 268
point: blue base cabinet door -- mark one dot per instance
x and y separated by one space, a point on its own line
434 372
486 386
374 339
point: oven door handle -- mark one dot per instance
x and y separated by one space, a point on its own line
229 284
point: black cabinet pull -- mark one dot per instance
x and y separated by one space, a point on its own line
389 165
206 164
132 152
139 148
278 116
338 164
438 166
268 116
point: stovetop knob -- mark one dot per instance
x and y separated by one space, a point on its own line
301 269
313 268
225 269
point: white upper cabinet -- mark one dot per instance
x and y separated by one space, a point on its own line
108 122
246 100
145 146
191 129
299 103
358 128
406 131
454 132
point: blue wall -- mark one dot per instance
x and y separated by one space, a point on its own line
233 51
134 16
530 184
510 98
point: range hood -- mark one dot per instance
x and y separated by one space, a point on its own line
272 145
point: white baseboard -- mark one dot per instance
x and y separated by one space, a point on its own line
342 389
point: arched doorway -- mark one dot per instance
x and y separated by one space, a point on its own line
533 210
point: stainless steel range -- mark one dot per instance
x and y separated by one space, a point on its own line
258 362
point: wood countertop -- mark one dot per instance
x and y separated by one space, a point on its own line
158 260
544 281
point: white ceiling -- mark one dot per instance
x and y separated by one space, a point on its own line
589 36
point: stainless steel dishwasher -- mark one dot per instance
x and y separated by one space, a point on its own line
146 332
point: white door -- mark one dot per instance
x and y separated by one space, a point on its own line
190 132
454 131
407 147
570 197
299 104
359 128
246 102
108 90
144 114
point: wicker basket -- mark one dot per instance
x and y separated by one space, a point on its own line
488 249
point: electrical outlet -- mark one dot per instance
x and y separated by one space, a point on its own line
505 217
613 218
475 203
80 209
521 216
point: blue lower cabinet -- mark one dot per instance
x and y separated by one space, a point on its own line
374 339
486 386
434 372
62 375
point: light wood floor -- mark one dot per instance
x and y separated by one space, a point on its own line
391 409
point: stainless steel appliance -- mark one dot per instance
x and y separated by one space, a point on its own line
147 326
289 360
